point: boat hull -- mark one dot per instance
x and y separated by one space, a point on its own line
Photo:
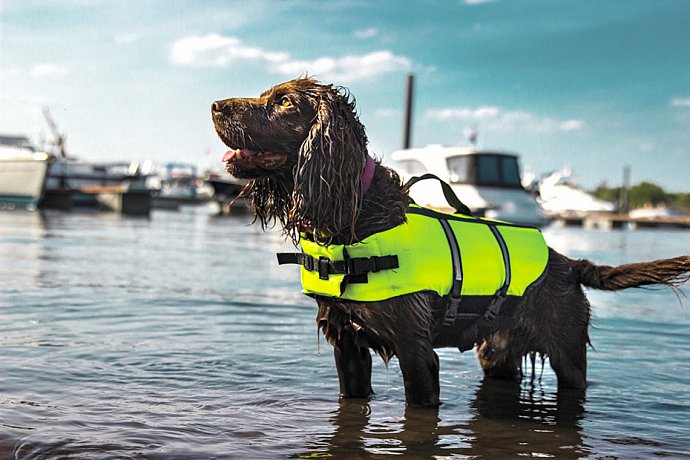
22 183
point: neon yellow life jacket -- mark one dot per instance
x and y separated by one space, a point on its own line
432 251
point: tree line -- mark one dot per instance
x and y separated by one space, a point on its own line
645 193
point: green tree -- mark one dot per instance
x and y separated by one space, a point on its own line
646 192
604 192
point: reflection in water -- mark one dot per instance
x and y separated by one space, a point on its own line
21 245
534 422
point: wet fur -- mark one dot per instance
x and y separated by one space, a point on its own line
317 189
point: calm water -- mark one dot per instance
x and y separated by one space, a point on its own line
178 336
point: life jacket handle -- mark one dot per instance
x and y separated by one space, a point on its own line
450 196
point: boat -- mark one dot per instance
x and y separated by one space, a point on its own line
73 183
23 170
559 196
180 185
488 182
226 191
650 211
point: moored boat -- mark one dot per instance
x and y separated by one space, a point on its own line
488 182
23 170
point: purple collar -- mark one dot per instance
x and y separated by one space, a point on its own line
368 174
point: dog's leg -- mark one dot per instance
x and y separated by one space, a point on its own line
570 366
419 365
567 350
352 360
354 365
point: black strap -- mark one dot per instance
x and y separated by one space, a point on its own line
487 323
456 289
448 193
355 266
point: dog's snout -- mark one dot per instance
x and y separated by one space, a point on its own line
218 106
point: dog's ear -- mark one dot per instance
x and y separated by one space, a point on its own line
326 197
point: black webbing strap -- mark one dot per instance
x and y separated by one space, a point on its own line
455 291
487 322
448 193
355 266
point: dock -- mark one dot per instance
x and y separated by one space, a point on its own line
115 198
607 221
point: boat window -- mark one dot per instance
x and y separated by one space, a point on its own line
510 172
488 170
459 168
412 166
485 169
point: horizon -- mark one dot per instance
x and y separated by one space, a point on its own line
585 85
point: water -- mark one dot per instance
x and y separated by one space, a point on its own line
178 336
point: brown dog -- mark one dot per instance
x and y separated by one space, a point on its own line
305 151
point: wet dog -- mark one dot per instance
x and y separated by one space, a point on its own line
304 151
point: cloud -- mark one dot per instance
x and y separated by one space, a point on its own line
47 70
680 102
217 50
349 68
362 34
464 113
494 118
221 51
571 125
476 2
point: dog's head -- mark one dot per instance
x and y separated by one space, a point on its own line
304 147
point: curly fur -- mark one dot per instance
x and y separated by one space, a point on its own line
303 147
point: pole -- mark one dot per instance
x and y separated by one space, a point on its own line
623 204
409 94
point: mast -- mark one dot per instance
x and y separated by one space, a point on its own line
59 137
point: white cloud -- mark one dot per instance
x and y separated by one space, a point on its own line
217 50
680 102
476 2
497 119
362 34
349 68
221 51
47 70
571 125
464 113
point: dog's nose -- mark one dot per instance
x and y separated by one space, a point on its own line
217 106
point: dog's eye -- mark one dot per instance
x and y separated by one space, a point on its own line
285 102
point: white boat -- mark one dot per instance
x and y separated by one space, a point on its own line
558 195
23 170
180 184
649 211
72 183
487 182
73 174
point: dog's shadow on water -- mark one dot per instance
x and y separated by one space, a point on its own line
506 418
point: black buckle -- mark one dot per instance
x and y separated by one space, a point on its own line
308 262
324 267
361 265
494 308
451 312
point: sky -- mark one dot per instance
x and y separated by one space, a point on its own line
591 85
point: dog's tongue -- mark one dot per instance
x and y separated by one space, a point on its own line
230 154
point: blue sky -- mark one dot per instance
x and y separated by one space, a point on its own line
593 85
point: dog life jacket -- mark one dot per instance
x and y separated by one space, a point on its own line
454 255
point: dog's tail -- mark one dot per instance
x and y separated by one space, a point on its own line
667 272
